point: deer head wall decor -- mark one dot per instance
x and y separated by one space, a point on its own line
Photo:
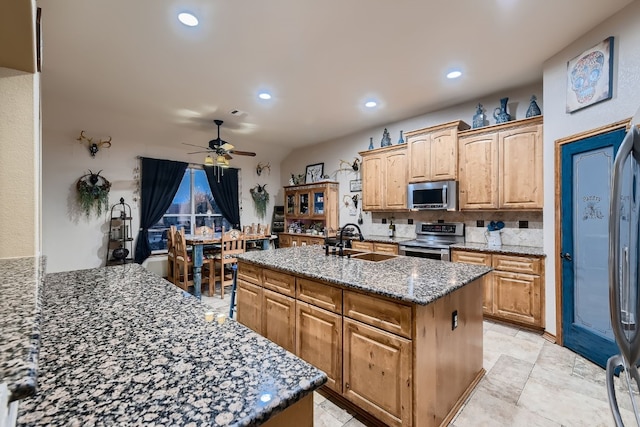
94 147
262 166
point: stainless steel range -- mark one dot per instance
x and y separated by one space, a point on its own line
433 240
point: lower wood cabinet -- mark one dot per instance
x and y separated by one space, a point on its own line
319 341
387 248
287 240
249 305
279 321
377 372
514 290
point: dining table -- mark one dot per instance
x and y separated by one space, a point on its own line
198 242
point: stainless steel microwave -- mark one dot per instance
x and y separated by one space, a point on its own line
434 195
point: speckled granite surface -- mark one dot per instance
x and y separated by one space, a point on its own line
415 280
385 239
20 302
121 346
504 249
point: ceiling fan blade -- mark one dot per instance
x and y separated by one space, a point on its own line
228 156
193 145
244 153
226 146
197 152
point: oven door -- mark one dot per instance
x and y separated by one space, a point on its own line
441 254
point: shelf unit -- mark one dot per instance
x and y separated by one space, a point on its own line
120 243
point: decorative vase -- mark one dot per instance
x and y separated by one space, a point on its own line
479 118
500 113
533 109
120 253
401 140
371 143
386 139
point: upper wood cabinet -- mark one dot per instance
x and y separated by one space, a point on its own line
500 167
384 178
312 203
433 152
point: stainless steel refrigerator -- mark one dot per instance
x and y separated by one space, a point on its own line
623 377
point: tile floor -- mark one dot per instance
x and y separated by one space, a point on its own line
529 382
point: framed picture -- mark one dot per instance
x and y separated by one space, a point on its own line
355 185
590 76
314 173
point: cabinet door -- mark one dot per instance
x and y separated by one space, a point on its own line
479 258
372 182
303 203
284 240
377 372
419 152
520 180
249 305
318 203
395 188
290 203
362 246
319 341
517 297
279 319
479 171
387 248
444 155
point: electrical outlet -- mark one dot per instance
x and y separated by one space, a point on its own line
410 221
480 223
384 220
441 221
454 319
523 224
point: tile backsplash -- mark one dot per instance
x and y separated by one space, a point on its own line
511 234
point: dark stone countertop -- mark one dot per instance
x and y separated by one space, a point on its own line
504 249
122 346
415 280
385 239
20 291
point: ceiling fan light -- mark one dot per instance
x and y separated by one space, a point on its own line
208 161
221 161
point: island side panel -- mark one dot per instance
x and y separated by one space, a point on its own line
300 414
448 363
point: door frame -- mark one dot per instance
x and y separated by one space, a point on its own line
558 209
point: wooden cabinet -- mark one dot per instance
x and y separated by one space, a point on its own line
501 166
433 152
377 372
387 248
249 305
514 290
279 319
384 178
309 205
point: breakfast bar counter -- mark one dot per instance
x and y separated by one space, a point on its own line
122 346
400 338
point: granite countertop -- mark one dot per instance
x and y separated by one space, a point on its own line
411 279
122 346
21 289
504 249
386 239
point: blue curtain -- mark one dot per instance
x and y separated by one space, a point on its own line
159 182
225 192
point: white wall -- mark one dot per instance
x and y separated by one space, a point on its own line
19 163
70 240
347 148
559 124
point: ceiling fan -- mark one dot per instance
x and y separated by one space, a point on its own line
221 149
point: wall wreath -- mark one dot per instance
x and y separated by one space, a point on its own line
93 193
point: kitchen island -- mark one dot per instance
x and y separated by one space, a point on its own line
400 338
122 346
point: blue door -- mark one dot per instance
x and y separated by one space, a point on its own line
585 194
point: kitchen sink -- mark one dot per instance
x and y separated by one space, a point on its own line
372 256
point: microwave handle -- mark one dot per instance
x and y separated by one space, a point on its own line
444 195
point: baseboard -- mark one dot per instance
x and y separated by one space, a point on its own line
549 337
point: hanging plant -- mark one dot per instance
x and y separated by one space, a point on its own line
260 199
93 193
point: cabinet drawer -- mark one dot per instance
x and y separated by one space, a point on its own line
378 312
478 258
387 248
277 281
517 264
249 272
320 294
363 246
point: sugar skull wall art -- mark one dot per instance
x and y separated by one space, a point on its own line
590 76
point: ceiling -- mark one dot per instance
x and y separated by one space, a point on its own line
321 60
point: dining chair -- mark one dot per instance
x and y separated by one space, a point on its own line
183 270
171 254
232 243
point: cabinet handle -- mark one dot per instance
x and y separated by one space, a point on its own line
347 385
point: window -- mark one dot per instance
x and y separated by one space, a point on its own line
193 206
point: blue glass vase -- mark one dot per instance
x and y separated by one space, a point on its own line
401 140
371 143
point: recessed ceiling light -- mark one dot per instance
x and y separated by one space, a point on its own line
454 74
188 19
370 104
264 95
